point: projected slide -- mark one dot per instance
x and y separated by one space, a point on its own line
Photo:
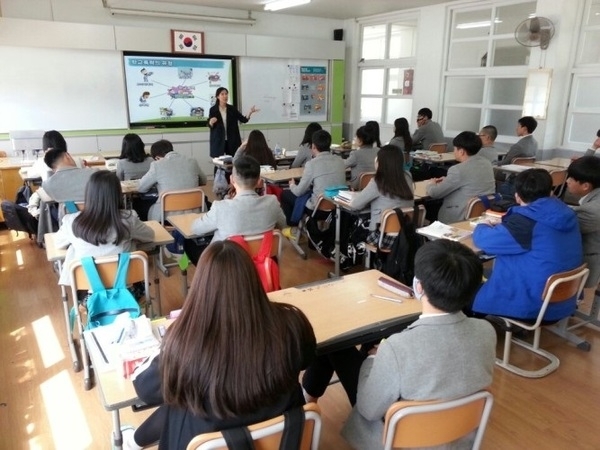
173 90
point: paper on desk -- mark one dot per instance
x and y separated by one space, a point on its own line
439 230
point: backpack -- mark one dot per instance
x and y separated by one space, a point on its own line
23 195
18 218
400 262
267 268
104 305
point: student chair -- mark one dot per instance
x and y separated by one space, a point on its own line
254 241
414 424
523 160
390 226
476 207
559 287
559 182
107 269
323 206
439 147
267 435
364 178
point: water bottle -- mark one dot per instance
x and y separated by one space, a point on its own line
277 150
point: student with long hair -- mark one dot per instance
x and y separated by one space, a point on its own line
231 358
257 147
103 227
305 151
361 160
391 187
373 128
403 140
133 162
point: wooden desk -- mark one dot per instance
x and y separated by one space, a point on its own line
342 312
562 163
183 223
439 158
282 176
420 189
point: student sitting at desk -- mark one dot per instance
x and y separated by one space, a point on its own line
583 180
256 146
391 187
322 171
68 182
103 227
232 358
305 151
170 171
51 139
133 162
361 160
473 176
246 213
535 240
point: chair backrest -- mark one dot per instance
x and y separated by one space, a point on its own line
475 207
364 178
390 225
107 269
267 435
561 287
559 179
323 205
428 424
523 160
181 200
254 241
440 147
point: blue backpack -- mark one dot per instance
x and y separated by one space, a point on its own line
104 305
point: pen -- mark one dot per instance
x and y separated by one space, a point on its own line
99 347
395 300
118 340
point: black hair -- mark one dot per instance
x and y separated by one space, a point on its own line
132 148
365 135
585 170
468 141
491 131
247 170
598 133
221 89
528 122
402 130
390 176
53 156
373 127
53 139
161 148
450 274
310 129
321 140
425 112
533 184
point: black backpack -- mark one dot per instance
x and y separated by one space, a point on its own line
23 195
18 218
400 261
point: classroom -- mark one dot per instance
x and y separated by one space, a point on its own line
63 70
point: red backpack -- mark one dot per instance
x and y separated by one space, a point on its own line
267 268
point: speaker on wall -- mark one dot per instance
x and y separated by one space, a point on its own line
338 35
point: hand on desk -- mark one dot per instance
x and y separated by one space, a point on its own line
292 182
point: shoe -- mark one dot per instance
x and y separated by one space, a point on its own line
128 440
288 232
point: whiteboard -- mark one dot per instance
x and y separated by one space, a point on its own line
62 89
285 90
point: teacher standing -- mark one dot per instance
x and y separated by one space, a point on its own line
223 123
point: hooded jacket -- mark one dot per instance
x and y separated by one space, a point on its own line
532 242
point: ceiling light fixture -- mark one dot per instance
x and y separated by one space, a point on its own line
170 15
282 4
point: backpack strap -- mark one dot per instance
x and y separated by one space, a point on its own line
239 239
238 438
265 247
293 428
70 207
121 275
89 267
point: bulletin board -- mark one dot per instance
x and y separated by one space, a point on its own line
285 90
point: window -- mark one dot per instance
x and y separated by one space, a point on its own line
385 70
583 115
487 68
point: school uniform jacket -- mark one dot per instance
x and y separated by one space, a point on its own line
533 242
466 180
361 161
173 172
527 146
246 213
127 170
323 171
424 136
304 155
68 184
588 215
435 358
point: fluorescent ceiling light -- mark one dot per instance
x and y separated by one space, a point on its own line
184 16
282 4
482 24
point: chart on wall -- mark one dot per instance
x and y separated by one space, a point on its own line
285 90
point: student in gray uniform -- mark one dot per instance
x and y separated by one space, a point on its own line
305 151
428 131
133 162
363 159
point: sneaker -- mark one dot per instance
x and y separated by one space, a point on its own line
288 232
128 440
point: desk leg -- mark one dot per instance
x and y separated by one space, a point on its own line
65 302
592 316
157 282
117 435
184 285
338 218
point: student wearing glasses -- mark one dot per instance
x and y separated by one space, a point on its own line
488 135
428 131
